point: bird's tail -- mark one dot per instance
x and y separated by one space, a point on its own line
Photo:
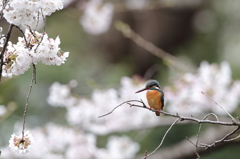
157 113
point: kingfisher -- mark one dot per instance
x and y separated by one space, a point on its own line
155 95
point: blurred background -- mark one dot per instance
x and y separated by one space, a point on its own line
100 56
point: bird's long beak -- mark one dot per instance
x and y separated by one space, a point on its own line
141 90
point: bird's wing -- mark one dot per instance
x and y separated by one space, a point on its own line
162 98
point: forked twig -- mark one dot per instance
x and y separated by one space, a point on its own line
198 134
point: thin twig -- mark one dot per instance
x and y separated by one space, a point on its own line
27 44
220 107
29 92
39 42
163 138
34 75
214 116
190 141
232 138
117 107
196 147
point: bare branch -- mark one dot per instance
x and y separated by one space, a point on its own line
182 118
141 104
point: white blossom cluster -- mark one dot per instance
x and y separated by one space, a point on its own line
97 17
54 141
21 144
85 112
27 13
185 97
37 47
64 92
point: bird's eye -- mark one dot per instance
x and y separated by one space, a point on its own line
157 87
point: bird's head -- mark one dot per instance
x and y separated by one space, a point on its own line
150 84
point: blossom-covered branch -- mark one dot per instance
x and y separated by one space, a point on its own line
32 48
38 48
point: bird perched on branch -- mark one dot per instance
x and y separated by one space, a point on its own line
155 95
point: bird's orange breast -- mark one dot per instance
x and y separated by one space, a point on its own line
154 99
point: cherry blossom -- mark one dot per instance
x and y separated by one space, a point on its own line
97 17
185 96
21 144
38 47
55 141
27 13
